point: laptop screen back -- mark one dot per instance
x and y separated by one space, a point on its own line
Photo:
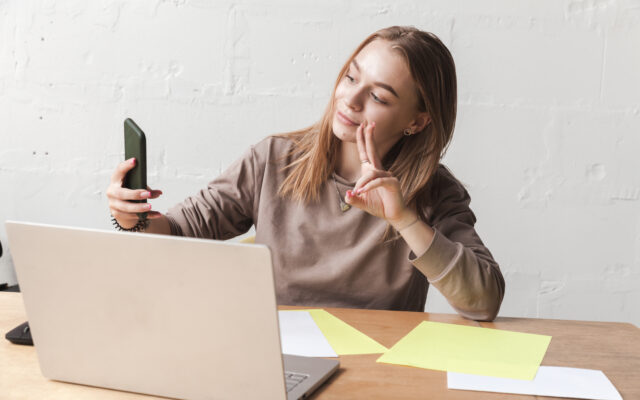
170 316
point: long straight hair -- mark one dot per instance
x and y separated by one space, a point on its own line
414 158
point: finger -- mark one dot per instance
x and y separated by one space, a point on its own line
154 193
362 151
353 200
122 169
154 214
370 145
368 176
123 206
388 182
120 193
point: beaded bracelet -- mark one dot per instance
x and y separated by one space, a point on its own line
139 227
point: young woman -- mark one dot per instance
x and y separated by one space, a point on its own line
356 209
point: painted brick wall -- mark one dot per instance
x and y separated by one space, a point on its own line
547 139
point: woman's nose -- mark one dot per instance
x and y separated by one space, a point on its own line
353 99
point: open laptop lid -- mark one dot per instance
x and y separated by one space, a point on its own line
152 314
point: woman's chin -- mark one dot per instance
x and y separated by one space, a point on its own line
344 134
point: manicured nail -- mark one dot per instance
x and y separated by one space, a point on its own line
133 160
148 206
145 194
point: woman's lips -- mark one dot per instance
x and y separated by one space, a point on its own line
343 118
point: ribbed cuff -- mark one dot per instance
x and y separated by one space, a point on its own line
441 256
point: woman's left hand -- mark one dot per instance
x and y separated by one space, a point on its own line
377 191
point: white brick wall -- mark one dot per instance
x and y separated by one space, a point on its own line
547 139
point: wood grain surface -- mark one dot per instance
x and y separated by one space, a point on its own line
611 347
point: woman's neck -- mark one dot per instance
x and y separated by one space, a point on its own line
347 163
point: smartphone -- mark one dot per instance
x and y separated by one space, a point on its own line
135 145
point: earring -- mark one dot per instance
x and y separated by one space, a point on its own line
408 132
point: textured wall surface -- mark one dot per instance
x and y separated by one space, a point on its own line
547 139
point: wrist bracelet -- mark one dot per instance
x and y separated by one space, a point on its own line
412 223
139 227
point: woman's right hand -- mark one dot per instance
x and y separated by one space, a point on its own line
124 211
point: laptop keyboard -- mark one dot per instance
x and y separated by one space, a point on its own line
293 379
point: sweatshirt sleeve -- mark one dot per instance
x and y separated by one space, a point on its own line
457 263
225 208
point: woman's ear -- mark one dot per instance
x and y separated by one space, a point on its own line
421 122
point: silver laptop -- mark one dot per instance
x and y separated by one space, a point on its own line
161 315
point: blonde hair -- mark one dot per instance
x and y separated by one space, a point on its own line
413 159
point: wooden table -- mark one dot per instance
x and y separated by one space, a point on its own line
613 348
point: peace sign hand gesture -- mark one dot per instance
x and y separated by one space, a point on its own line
377 191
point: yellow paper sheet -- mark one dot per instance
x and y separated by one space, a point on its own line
470 350
343 338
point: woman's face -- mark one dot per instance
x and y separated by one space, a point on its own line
377 87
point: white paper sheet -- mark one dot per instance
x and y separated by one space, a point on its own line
300 336
549 381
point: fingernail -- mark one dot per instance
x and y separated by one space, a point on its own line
146 194
148 206
359 191
133 160
373 124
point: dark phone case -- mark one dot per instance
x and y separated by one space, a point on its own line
135 145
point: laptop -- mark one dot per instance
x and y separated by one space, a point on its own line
155 314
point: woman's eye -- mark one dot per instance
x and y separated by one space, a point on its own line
376 98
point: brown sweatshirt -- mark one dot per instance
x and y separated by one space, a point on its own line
323 257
